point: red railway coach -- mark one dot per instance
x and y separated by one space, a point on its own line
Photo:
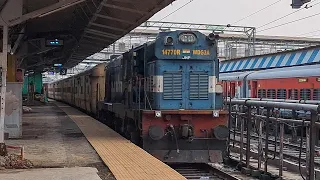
299 83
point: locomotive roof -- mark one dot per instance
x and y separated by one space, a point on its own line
290 72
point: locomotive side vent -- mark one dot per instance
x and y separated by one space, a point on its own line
172 85
316 94
199 85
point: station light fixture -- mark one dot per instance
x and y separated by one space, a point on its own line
54 42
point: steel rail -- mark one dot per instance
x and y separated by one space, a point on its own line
201 171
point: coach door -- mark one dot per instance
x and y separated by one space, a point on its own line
232 89
254 89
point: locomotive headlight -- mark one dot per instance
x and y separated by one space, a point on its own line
158 114
168 40
187 38
215 113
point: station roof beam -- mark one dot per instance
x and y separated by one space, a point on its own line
123 8
84 27
112 20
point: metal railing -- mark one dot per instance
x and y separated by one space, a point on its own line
146 100
263 117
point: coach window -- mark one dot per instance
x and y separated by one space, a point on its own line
293 94
316 94
261 93
305 94
281 94
271 94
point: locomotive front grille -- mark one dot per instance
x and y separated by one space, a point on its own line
172 85
199 86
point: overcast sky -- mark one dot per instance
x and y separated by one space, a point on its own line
230 11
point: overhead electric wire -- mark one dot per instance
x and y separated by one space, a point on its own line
185 4
306 7
256 12
290 22
176 10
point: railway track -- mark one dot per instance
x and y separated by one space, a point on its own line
201 171
272 139
290 150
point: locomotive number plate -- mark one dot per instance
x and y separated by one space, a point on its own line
170 52
201 52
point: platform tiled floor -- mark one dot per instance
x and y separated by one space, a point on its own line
125 160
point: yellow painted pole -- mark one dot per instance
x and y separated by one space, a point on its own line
11 68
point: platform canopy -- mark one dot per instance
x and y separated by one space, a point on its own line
298 57
47 32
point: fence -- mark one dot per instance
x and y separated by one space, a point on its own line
270 119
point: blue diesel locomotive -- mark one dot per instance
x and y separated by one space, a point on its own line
164 96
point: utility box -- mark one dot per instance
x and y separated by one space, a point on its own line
13 110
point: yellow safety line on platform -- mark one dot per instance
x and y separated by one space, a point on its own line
125 160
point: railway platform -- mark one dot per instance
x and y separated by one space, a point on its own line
125 160
54 143
61 141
